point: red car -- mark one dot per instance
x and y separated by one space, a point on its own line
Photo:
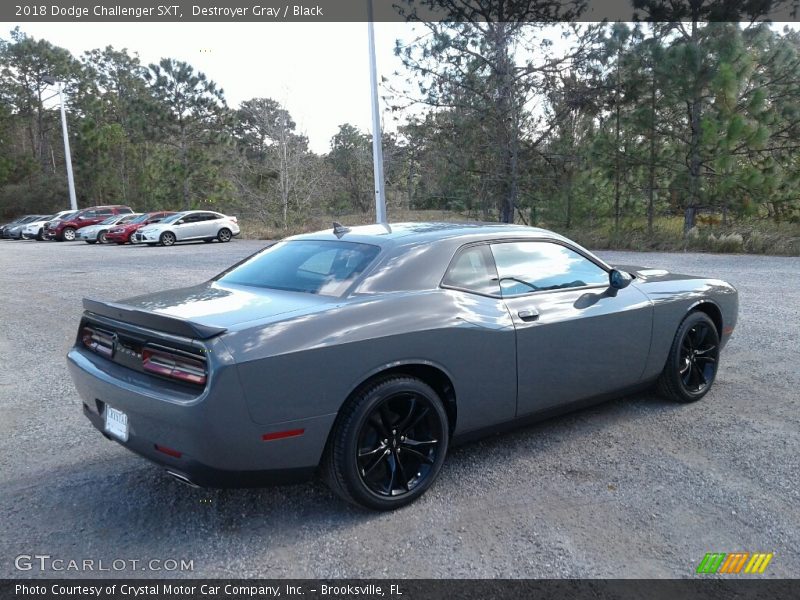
64 230
123 234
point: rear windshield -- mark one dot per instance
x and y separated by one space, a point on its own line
326 268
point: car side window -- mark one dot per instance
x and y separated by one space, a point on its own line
473 270
525 267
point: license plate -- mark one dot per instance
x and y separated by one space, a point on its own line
117 423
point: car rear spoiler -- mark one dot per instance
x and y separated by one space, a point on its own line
151 320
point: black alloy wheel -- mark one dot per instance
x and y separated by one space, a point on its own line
388 445
693 359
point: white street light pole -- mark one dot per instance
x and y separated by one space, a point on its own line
73 202
377 145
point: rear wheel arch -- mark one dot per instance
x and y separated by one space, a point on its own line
433 375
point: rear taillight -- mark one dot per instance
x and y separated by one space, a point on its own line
234 219
175 365
99 341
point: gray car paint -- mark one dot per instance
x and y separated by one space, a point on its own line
291 360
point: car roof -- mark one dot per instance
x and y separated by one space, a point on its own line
392 234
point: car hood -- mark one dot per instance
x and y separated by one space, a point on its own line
653 274
226 306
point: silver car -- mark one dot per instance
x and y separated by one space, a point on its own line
189 226
94 234
365 353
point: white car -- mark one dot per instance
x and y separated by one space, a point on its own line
97 233
190 225
35 229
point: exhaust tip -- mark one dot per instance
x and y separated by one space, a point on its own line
183 479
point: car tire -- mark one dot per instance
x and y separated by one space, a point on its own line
371 459
167 238
101 237
693 360
40 235
68 235
224 235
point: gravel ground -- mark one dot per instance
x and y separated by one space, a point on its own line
636 487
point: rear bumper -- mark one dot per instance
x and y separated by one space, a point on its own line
194 472
219 444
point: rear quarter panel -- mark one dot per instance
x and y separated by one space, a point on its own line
309 365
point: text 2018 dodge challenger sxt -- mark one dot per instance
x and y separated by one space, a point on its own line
366 352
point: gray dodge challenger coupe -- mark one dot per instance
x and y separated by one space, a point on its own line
364 353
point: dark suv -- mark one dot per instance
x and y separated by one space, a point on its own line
64 230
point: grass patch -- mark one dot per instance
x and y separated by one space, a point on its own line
755 237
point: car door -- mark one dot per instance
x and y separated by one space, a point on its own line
576 336
185 228
208 226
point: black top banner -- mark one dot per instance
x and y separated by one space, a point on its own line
271 11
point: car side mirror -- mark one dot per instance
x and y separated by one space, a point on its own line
619 279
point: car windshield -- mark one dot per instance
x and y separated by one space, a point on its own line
68 216
326 268
140 218
110 220
172 218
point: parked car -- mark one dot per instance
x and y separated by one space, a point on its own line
35 229
16 232
369 351
124 233
97 233
190 225
5 230
64 229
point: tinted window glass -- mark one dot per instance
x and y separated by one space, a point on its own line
105 211
173 218
473 270
315 267
525 267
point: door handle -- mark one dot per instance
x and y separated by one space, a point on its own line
529 314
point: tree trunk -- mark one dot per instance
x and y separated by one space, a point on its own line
652 166
695 110
617 165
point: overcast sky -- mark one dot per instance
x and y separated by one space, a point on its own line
320 71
